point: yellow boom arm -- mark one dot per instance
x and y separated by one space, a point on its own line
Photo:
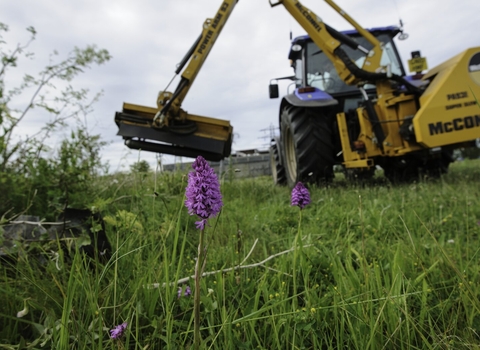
168 128
169 104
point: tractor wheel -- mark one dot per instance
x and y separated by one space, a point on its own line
278 171
306 136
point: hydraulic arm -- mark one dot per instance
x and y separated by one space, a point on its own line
169 104
170 129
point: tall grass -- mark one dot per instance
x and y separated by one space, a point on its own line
381 267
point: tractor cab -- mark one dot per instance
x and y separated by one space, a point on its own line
314 69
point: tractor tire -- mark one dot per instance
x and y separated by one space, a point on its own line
278 171
307 142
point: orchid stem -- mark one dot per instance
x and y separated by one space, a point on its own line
196 302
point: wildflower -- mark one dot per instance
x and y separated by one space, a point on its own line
118 331
187 292
300 196
203 192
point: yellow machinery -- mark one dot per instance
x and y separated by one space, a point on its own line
168 128
354 105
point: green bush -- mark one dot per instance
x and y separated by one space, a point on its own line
34 179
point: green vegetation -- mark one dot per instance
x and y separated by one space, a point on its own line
32 175
381 267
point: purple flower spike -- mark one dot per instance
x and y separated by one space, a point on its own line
118 331
203 192
300 196
187 292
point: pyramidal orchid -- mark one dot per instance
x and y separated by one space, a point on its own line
204 200
203 192
118 331
300 196
186 293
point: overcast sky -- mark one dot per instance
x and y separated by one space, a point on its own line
148 38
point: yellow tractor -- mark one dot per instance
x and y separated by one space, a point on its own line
353 105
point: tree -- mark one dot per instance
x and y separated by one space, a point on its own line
23 160
141 166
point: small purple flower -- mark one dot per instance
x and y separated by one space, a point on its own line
300 196
187 292
118 331
203 192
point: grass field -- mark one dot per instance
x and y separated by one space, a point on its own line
375 267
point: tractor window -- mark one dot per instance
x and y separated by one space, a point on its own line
320 72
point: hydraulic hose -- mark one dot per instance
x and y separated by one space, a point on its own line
372 77
188 55
344 39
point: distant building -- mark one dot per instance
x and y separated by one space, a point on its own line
241 164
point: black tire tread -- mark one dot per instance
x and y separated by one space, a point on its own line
314 147
279 177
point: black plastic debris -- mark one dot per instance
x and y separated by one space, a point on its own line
74 228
